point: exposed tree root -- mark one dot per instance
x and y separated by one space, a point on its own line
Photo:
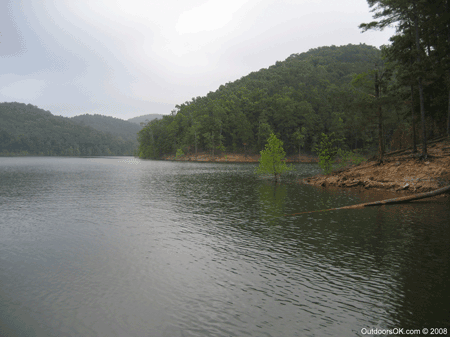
388 201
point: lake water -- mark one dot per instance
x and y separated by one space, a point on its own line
116 246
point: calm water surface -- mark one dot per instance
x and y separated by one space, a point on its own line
126 247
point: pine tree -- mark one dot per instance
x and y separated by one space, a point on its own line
407 14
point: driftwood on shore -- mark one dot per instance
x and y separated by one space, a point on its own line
388 201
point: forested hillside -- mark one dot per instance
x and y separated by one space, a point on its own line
328 89
115 126
310 90
26 129
144 119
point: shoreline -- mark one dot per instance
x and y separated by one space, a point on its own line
236 158
401 172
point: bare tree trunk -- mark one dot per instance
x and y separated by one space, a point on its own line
448 117
380 120
195 136
448 113
388 201
422 117
413 120
212 142
448 73
422 105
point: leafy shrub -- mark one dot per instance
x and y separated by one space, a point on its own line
179 153
349 158
327 151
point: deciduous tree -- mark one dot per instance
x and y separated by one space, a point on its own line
272 158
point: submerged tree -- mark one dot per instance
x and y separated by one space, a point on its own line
272 158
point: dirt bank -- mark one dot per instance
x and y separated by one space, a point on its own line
237 158
402 171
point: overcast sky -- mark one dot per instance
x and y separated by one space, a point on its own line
126 58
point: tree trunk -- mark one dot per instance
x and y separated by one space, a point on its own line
448 117
448 73
448 112
195 136
422 117
380 120
212 142
413 121
422 105
388 201
399 200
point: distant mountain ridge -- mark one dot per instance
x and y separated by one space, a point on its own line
115 126
145 118
27 130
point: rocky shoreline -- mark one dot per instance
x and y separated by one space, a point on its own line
401 171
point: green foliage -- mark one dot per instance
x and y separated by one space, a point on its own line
327 150
26 129
305 92
179 153
272 158
272 199
220 147
144 119
116 126
348 158
299 137
325 90
419 55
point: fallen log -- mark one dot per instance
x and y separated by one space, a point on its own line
387 201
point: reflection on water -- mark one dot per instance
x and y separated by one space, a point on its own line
272 198
124 247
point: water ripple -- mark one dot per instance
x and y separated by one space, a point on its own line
114 247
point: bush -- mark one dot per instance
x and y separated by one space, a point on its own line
327 151
179 153
349 158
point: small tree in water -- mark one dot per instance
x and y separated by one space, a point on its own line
272 158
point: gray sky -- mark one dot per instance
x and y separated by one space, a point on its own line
126 58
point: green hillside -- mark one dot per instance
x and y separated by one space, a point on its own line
144 119
26 129
310 90
357 92
115 126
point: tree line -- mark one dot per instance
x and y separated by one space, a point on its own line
419 58
118 127
27 130
365 96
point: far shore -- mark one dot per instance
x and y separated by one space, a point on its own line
401 172
237 158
